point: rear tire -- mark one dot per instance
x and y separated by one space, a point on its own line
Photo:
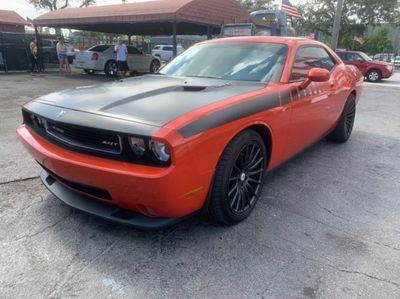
238 179
111 68
374 76
154 66
343 130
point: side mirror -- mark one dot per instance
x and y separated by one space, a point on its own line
315 75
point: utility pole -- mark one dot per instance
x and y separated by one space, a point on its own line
336 24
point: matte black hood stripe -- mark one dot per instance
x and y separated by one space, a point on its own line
230 114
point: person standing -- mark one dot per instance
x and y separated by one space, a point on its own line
122 59
62 55
34 50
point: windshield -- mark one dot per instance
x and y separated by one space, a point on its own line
258 62
365 56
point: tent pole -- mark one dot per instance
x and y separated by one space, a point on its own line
209 31
174 42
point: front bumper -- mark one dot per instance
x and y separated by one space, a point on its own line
151 191
90 206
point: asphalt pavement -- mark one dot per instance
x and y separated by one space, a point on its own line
327 224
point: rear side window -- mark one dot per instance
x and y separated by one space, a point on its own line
342 55
308 58
133 50
353 57
100 48
167 48
156 47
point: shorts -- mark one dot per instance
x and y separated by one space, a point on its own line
122 66
62 57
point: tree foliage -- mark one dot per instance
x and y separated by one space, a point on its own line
357 14
378 41
59 4
253 5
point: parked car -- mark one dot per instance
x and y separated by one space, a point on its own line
386 57
198 136
102 58
397 62
373 71
165 52
49 51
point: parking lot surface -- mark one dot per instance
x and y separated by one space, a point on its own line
327 224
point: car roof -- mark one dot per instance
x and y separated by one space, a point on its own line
347 51
288 40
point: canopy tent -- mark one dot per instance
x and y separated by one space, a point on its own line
158 17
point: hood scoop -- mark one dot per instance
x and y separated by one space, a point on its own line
194 88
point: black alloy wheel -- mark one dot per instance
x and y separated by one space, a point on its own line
350 117
238 178
344 128
246 178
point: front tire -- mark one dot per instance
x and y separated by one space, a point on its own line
374 76
344 128
238 179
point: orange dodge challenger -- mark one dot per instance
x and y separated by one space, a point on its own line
197 136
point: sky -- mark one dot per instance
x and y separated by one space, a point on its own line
26 10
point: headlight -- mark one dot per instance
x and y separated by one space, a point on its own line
137 145
160 150
144 150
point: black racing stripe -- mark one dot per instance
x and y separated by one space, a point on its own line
285 97
230 114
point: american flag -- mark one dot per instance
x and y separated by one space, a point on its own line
291 10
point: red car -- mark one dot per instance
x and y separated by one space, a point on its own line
198 136
373 71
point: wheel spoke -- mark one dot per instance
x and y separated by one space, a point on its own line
235 198
233 189
251 173
256 163
253 180
254 157
251 188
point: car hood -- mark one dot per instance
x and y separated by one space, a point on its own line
381 63
153 99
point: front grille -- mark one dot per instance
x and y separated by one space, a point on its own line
78 137
75 137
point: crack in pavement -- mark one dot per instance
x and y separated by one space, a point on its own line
19 180
45 228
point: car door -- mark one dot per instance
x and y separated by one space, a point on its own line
135 59
312 114
358 61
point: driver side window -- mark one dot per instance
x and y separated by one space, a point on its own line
353 57
308 58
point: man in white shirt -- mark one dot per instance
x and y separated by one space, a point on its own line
122 58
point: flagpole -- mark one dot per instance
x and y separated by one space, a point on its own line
336 24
